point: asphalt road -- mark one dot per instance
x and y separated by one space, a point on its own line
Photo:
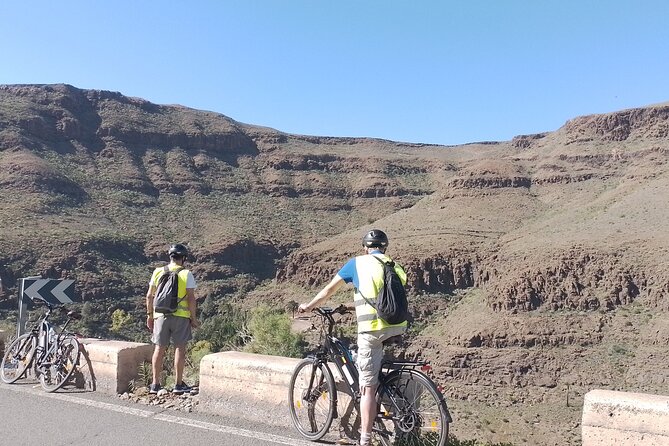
32 417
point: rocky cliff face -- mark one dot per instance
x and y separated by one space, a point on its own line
62 146
643 123
533 264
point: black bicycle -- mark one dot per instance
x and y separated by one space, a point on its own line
50 354
412 410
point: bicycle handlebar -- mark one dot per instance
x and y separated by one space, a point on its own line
72 314
39 300
327 311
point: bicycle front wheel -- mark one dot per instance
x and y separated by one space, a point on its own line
59 365
412 411
17 358
311 397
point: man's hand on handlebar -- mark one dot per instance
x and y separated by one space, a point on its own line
341 309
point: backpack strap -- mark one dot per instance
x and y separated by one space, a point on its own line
391 264
177 271
166 269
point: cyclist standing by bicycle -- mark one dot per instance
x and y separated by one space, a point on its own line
176 326
366 274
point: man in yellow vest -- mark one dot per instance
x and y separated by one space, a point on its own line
366 274
175 327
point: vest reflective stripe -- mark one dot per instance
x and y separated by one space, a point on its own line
364 302
367 317
182 306
370 277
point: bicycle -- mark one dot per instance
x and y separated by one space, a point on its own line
52 355
412 410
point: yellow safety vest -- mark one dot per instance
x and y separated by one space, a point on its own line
370 278
182 306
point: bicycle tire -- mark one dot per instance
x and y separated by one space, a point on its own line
17 358
312 407
422 418
62 363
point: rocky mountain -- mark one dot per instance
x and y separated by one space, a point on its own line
538 267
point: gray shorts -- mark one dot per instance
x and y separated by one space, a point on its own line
370 354
174 328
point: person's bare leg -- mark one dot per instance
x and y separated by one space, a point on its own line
367 413
179 363
157 363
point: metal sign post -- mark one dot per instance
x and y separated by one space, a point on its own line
54 291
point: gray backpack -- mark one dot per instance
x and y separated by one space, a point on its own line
167 292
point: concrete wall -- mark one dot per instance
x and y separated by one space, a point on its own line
110 366
257 383
625 419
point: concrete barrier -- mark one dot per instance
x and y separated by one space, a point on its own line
625 419
255 387
110 366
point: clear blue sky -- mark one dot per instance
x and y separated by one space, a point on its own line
445 72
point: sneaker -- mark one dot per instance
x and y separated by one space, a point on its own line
182 388
154 389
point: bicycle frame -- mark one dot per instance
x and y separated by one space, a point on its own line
48 341
43 332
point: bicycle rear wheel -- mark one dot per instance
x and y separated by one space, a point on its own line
311 397
59 365
17 358
412 411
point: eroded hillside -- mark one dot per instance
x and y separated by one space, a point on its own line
538 267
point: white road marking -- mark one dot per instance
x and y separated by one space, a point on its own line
85 402
163 417
231 430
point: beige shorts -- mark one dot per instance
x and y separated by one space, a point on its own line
370 354
174 328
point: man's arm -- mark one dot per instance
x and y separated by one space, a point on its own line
149 306
324 294
192 307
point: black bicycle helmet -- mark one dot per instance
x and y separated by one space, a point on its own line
375 238
178 250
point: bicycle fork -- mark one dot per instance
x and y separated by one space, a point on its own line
314 392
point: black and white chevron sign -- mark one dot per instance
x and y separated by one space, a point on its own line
54 291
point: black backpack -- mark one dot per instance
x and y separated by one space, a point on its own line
167 300
391 303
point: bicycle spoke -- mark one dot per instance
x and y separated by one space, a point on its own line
17 359
59 365
412 412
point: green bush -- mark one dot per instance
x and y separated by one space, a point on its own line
225 330
271 334
198 350
121 321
